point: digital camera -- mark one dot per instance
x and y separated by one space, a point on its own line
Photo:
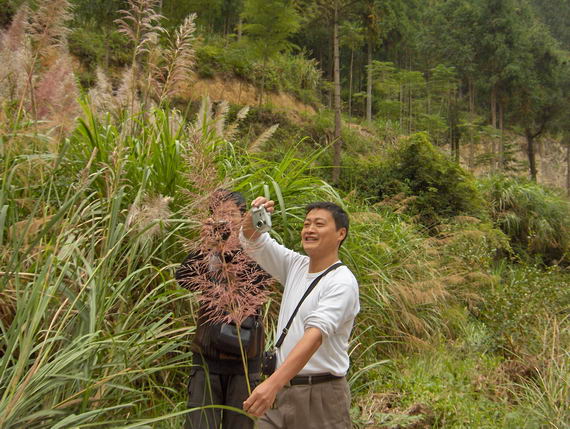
261 219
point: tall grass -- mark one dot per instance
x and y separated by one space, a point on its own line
97 331
151 154
545 397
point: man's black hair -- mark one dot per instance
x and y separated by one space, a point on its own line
339 215
223 195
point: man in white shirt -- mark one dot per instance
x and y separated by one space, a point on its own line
309 388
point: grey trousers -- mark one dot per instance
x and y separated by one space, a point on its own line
317 406
217 389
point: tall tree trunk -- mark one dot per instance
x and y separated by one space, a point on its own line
350 84
471 149
262 83
531 155
494 106
454 128
239 28
369 84
337 107
331 73
502 141
494 125
471 95
568 166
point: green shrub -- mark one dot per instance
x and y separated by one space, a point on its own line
223 56
87 46
420 179
207 60
97 47
537 220
355 141
520 302
389 109
7 10
445 388
295 74
117 49
434 124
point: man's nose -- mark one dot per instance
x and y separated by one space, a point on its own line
310 227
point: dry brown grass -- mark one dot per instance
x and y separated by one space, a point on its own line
386 403
366 217
467 219
149 215
8 301
242 93
27 229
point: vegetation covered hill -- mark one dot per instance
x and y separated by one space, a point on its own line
109 153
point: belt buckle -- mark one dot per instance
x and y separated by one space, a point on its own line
310 380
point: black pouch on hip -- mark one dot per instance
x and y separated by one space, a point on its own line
227 339
268 362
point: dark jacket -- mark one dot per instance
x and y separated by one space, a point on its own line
194 266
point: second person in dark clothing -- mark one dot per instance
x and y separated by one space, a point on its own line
231 287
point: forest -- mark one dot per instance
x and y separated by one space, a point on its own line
441 126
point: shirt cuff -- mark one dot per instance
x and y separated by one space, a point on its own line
252 244
313 322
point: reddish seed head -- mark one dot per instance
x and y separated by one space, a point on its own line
232 287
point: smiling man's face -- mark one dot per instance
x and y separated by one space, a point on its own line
319 234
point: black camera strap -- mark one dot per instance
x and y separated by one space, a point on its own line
307 292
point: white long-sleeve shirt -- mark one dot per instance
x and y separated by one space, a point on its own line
331 306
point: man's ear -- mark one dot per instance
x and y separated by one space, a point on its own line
342 234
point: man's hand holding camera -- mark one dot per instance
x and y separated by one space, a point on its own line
258 219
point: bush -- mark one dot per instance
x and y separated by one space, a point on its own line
86 46
443 389
537 220
7 10
516 307
207 60
418 178
97 47
295 74
226 57
389 109
298 75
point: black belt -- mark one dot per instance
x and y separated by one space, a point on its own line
312 379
